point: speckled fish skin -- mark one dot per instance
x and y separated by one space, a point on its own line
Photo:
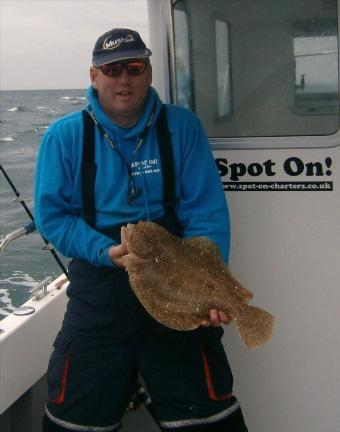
179 280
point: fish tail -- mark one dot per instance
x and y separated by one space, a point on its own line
255 326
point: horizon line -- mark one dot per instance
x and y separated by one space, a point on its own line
44 89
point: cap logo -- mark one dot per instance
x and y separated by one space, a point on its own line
112 44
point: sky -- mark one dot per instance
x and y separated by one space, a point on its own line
47 44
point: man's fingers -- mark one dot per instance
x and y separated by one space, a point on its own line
117 254
205 323
216 318
224 317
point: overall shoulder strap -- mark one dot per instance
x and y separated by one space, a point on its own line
167 163
88 169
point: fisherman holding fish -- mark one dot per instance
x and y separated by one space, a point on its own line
129 157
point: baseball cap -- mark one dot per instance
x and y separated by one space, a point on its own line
119 44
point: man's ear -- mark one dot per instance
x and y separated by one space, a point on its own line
93 75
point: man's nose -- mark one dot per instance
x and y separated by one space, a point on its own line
124 76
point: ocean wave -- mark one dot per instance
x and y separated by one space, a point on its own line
4 312
6 306
6 139
73 100
6 294
19 278
40 128
18 108
47 109
67 98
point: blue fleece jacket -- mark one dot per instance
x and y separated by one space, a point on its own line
201 209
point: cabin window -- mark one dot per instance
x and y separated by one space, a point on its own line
259 69
316 66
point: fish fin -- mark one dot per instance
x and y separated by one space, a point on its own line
255 326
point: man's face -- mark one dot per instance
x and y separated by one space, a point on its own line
123 97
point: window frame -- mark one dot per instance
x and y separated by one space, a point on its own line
251 142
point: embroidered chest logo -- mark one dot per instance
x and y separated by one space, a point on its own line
147 166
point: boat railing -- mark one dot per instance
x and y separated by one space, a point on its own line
6 239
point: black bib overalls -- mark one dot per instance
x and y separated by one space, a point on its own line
108 339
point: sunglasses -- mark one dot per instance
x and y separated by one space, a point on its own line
133 68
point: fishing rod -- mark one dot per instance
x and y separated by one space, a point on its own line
31 227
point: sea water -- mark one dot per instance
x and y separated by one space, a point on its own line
24 117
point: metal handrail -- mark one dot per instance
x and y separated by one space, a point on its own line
13 235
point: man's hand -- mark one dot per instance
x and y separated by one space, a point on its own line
218 317
117 254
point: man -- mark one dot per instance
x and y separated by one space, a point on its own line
107 338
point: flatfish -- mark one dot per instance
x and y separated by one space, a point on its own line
179 280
